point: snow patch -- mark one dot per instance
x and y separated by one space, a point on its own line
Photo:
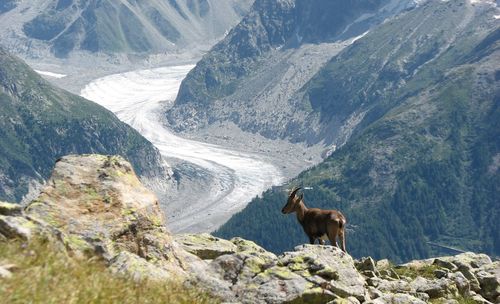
358 37
50 74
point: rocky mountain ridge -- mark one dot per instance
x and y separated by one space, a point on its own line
40 123
251 77
39 29
95 207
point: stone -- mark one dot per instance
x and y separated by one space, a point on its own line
396 298
473 260
445 264
490 285
417 264
470 276
446 301
389 274
480 300
17 227
205 246
369 274
461 282
366 264
440 273
10 209
348 281
98 206
349 300
397 286
132 266
434 288
374 292
383 264
5 273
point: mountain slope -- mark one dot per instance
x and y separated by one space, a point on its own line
421 169
117 26
39 123
251 77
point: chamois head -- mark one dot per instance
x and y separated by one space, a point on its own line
293 201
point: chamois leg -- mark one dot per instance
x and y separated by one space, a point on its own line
311 240
342 239
332 231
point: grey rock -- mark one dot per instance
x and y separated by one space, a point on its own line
396 298
480 300
16 227
397 286
4 273
374 293
98 206
369 274
434 288
490 285
471 277
130 265
349 300
470 259
383 264
205 245
440 273
461 282
10 209
366 264
445 264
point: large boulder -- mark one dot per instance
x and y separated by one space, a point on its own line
98 206
310 274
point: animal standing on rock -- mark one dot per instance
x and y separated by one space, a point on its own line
317 223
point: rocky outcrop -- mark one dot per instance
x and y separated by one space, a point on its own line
94 205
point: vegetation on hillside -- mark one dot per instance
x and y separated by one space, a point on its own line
422 168
40 123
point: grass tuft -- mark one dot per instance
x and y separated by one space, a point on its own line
46 274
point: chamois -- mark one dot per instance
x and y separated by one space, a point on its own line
317 222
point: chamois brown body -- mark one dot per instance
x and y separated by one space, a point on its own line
317 223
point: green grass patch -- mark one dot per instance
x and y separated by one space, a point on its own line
46 274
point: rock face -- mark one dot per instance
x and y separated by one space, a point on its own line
94 205
98 206
250 78
63 27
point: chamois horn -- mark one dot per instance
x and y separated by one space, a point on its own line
294 191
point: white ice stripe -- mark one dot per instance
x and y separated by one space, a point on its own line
137 98
50 74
